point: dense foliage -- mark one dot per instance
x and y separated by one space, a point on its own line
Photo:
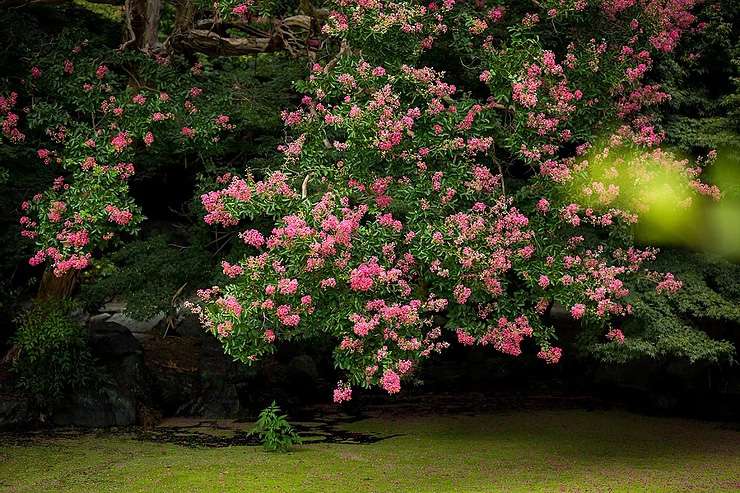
153 274
53 358
665 327
703 81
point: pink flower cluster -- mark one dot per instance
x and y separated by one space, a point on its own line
506 336
615 335
118 216
9 120
551 355
669 284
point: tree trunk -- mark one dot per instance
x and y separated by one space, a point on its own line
184 16
55 288
183 22
142 25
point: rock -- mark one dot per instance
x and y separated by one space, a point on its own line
560 313
213 400
113 307
102 409
125 383
222 403
110 339
98 319
137 326
15 412
80 316
188 325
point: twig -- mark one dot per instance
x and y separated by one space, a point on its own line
304 186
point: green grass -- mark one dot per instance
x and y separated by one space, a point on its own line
521 451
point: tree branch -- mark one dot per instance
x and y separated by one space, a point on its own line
289 34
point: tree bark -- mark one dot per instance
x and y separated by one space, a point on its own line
14 4
209 42
53 287
142 25
290 34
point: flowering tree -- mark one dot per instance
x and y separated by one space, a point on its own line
459 167
96 119
408 205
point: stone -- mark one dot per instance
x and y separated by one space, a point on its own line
113 307
97 409
188 325
124 388
15 412
99 318
108 338
137 326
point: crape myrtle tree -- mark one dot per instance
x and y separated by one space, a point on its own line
100 111
98 120
458 166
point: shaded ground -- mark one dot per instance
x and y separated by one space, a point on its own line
228 433
535 450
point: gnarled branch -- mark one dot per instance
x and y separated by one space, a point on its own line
289 34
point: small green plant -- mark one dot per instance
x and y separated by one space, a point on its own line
274 431
53 355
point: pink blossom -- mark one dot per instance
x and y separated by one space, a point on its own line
543 281
342 393
101 71
232 270
44 155
669 284
391 382
361 278
405 366
578 310
328 283
242 9
121 141
118 216
224 329
231 304
287 317
464 338
287 286
615 335
253 238
551 355
462 293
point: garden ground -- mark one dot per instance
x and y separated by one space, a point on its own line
563 450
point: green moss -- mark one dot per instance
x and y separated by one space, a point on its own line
112 13
532 451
